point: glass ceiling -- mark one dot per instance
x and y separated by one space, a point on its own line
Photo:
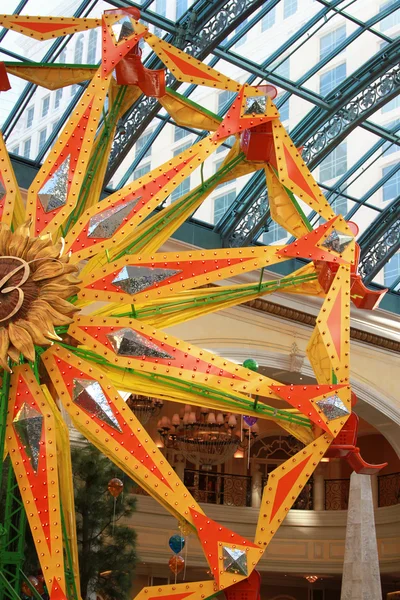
334 64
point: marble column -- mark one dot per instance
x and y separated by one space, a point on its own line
361 577
256 486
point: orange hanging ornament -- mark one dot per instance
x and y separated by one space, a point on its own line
115 487
176 564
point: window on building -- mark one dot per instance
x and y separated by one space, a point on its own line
274 234
62 58
335 164
54 126
29 116
42 138
74 89
161 7
181 7
45 105
284 69
15 150
284 111
58 96
78 52
27 148
223 99
289 8
391 105
388 147
92 47
391 270
142 141
331 41
268 20
141 171
222 203
244 36
391 188
339 206
179 134
391 20
331 79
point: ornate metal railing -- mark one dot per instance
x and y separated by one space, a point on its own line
389 489
337 494
305 498
219 488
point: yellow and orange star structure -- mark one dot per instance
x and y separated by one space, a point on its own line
67 249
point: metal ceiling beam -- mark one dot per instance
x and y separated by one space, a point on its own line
50 56
344 182
337 128
380 241
199 38
374 68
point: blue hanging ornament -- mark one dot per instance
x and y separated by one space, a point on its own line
176 543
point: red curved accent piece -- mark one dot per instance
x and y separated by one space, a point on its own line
344 446
359 465
4 81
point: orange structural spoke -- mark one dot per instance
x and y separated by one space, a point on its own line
99 412
9 191
240 118
55 190
331 242
219 544
187 68
32 446
46 28
130 343
112 222
179 591
284 485
328 406
141 278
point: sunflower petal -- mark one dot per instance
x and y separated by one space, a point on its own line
22 340
47 270
4 343
35 332
13 353
56 317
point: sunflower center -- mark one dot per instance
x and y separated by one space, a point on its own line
17 290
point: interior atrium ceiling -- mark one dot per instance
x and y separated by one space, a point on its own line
335 64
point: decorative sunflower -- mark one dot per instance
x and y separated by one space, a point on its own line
35 280
130 291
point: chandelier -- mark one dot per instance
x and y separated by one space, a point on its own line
144 407
311 578
205 437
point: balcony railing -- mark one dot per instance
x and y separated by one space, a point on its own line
229 489
219 488
337 494
389 489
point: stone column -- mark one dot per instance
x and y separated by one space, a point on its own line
374 485
319 488
256 486
361 577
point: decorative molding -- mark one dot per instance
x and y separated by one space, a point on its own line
299 316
